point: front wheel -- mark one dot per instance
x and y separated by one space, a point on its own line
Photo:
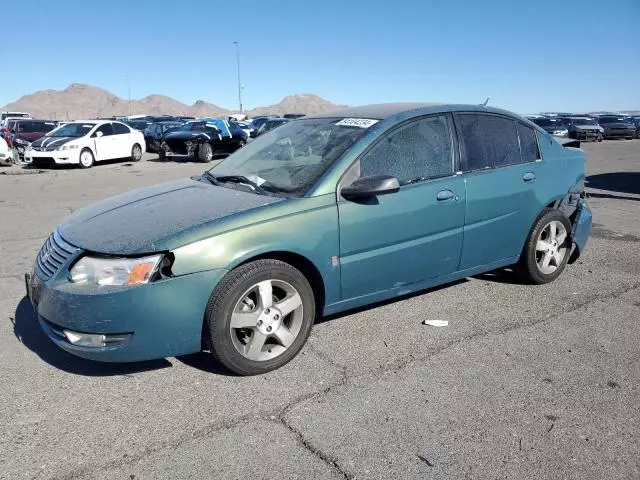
260 316
86 158
136 153
547 249
205 152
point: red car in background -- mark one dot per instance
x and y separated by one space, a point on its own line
19 133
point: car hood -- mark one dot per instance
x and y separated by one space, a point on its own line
553 128
29 137
157 218
587 127
51 142
184 136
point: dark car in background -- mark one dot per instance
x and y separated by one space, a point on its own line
584 128
202 139
139 125
554 126
636 122
293 116
617 126
154 133
260 120
22 132
269 125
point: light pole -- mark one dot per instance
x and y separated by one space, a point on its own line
239 83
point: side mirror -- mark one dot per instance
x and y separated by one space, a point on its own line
371 186
98 134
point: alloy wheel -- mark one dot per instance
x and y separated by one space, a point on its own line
550 247
266 320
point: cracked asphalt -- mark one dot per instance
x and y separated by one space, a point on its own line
525 382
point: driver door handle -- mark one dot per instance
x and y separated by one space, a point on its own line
444 195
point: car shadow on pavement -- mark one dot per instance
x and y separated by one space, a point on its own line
622 182
502 275
188 159
27 330
204 362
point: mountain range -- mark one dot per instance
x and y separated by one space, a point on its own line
79 101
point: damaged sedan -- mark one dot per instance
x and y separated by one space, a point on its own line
321 215
203 139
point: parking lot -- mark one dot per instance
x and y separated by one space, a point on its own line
524 382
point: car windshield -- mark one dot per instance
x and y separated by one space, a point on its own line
194 127
72 130
290 159
548 122
583 121
166 126
34 127
615 120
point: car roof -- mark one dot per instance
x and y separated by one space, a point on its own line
382 111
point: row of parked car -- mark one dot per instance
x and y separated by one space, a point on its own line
199 138
595 127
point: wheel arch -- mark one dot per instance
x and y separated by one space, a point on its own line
296 260
88 147
304 265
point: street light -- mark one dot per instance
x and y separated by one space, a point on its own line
239 83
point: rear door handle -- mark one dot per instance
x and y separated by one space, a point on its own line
529 176
444 195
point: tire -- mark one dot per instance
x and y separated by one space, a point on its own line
136 152
238 299
542 245
162 155
86 158
205 153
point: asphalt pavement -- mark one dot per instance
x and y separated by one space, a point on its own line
526 382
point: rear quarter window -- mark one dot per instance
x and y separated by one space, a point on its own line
529 150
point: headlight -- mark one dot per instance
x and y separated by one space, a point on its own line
19 141
114 271
68 147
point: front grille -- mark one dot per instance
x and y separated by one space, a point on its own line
178 147
43 160
53 254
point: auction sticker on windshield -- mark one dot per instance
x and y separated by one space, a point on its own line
357 122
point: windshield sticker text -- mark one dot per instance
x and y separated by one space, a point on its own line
357 122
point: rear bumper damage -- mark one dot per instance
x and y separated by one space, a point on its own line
580 229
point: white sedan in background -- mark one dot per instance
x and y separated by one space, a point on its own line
86 142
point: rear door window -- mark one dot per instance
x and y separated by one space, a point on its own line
419 150
487 141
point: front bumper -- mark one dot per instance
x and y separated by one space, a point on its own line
63 157
619 132
587 134
156 320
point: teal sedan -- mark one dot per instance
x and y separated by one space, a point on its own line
318 216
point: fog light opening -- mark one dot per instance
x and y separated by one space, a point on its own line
95 340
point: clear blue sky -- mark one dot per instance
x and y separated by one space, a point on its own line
528 56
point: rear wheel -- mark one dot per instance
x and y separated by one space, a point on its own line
547 249
205 152
260 316
136 153
86 158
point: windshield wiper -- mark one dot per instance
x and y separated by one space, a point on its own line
239 179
